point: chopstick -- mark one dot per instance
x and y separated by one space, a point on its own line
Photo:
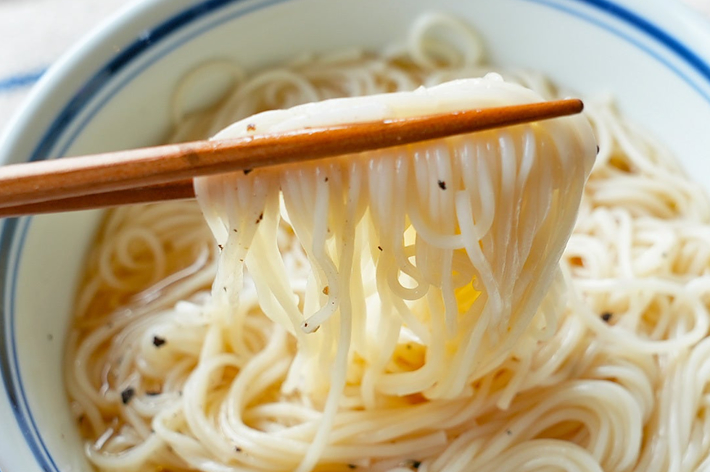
165 172
180 190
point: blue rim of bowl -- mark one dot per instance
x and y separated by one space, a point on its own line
13 231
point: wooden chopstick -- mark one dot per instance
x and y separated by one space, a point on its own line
165 172
180 190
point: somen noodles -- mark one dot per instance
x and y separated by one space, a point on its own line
403 309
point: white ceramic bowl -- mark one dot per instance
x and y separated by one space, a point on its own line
113 92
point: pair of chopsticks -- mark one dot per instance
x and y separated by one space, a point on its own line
165 172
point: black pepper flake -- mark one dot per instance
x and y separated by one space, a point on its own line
352 466
379 247
235 230
238 449
261 217
251 127
158 341
127 395
416 464
50 337
326 179
606 316
508 432
246 171
442 185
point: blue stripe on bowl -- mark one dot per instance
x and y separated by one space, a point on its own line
16 392
641 25
13 231
653 31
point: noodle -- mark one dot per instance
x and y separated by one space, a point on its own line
392 315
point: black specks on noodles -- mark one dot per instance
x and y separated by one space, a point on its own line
442 185
158 341
127 395
606 316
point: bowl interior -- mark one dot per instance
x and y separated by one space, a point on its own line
585 45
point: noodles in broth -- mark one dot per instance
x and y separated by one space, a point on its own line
403 310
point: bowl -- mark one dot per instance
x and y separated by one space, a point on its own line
113 91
